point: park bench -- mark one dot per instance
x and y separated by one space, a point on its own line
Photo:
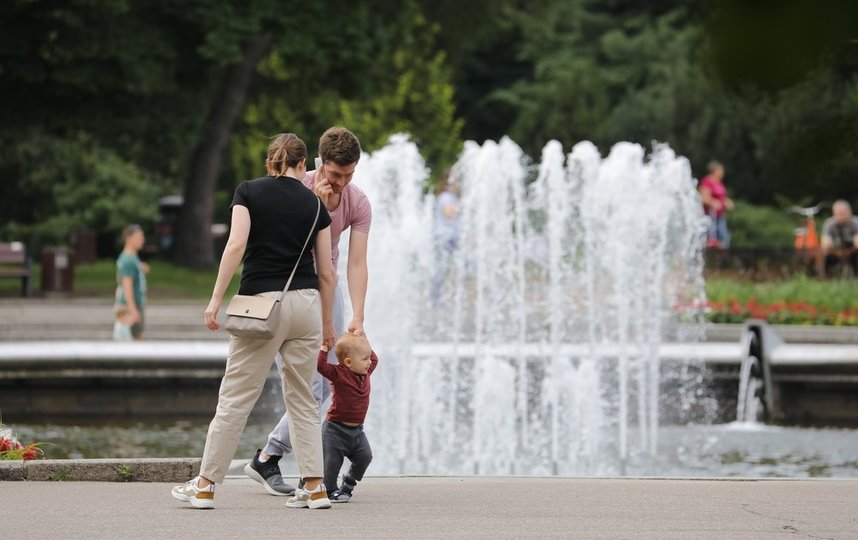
15 264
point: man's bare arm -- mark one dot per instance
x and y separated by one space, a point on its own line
358 277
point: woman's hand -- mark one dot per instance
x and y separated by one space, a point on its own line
211 314
329 335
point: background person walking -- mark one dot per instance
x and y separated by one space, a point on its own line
131 286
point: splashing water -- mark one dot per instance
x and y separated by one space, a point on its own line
538 354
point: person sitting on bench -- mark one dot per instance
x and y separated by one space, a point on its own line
840 238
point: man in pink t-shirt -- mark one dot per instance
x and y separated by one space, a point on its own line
348 207
715 205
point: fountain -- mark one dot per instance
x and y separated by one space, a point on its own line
540 353
548 344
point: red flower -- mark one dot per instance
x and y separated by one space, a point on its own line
735 307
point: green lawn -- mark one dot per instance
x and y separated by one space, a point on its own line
836 295
798 300
165 281
168 281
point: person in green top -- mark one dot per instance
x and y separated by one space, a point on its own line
131 280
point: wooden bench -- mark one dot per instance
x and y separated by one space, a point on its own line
15 264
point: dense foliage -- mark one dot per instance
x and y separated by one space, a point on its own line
109 103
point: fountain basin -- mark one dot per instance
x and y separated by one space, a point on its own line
815 384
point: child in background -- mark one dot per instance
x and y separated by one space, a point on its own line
342 432
122 324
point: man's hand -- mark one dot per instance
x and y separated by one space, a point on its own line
356 327
133 316
322 187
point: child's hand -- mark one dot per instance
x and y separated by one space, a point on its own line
323 348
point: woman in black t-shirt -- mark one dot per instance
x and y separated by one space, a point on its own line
271 218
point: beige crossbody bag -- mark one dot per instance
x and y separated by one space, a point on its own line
258 317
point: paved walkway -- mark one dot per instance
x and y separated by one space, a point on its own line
433 507
37 319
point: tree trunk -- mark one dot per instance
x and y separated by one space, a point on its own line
192 234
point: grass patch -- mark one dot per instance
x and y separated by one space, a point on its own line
125 473
164 281
833 301
836 295
798 300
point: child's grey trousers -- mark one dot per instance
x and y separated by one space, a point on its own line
341 441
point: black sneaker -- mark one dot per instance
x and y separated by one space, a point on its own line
340 496
268 474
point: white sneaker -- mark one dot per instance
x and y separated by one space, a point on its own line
303 498
192 493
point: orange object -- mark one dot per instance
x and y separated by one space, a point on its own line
807 238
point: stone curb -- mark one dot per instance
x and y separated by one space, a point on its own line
102 470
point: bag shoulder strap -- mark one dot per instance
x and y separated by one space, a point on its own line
307 241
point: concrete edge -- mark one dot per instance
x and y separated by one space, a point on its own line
102 470
183 469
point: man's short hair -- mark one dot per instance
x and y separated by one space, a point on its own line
339 145
130 230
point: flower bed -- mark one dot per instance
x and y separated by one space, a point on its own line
797 300
734 311
11 448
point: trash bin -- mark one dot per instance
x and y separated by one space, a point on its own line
57 270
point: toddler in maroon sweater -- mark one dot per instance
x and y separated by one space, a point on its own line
342 432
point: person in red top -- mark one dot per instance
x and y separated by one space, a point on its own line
342 432
715 205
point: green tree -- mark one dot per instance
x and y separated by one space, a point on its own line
166 87
716 80
416 97
380 74
792 67
74 183
116 80
606 72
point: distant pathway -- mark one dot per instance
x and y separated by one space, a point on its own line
92 319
